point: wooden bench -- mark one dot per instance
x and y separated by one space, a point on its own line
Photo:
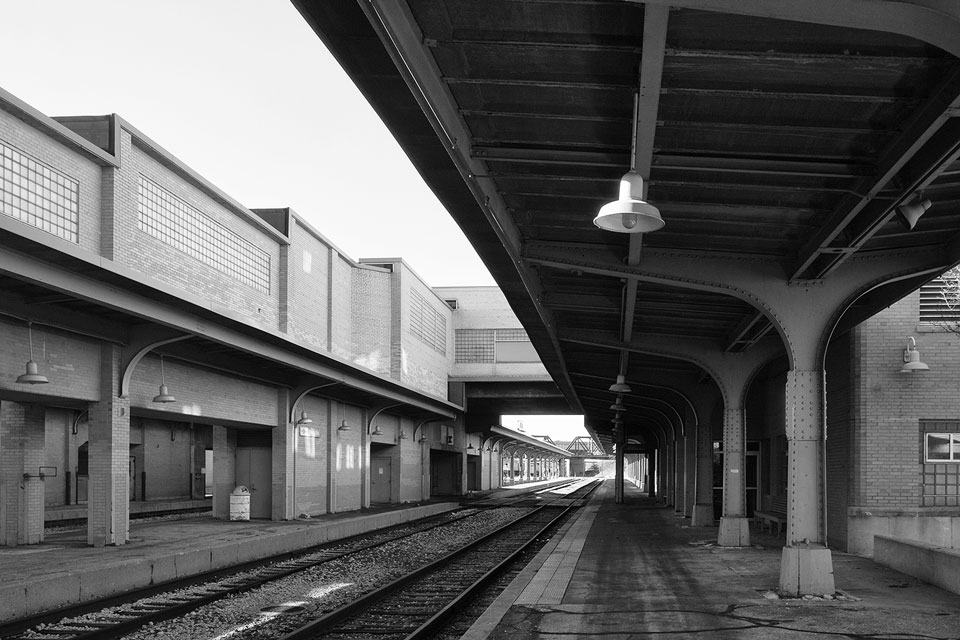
774 514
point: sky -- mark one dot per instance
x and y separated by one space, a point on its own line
244 93
560 428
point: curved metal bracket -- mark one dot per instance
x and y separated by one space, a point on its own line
149 344
380 410
423 422
303 394
491 442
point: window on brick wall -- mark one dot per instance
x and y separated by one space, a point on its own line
493 345
474 346
427 323
513 345
941 463
34 193
942 447
174 222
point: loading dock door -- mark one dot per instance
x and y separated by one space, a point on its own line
473 473
254 472
381 472
445 470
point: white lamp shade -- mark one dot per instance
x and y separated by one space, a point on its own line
630 213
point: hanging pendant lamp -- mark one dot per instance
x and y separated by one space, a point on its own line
32 376
629 213
620 386
164 395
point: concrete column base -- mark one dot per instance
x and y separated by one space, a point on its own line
702 515
734 532
806 570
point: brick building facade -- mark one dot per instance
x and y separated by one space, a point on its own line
318 382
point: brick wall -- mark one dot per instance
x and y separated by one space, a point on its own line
330 303
21 499
149 255
66 161
224 469
308 287
204 394
886 459
341 300
370 317
411 456
349 455
891 404
485 308
311 458
422 365
108 510
71 363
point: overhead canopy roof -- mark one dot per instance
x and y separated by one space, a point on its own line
768 130
528 442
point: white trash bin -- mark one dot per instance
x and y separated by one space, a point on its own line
240 504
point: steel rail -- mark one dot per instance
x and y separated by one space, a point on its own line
326 624
431 626
118 623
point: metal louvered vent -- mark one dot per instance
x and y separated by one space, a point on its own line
940 299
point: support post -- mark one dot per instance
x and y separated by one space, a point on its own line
651 473
806 566
703 509
734 525
108 508
21 488
224 470
284 439
689 472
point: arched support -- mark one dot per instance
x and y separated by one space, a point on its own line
303 394
421 424
931 21
376 411
142 343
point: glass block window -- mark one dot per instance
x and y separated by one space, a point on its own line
493 345
512 335
941 463
474 345
174 222
34 193
427 323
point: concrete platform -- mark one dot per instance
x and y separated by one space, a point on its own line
63 570
638 570
53 515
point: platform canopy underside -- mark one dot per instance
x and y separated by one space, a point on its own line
767 131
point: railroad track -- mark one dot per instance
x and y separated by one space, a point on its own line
418 604
127 613
177 599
